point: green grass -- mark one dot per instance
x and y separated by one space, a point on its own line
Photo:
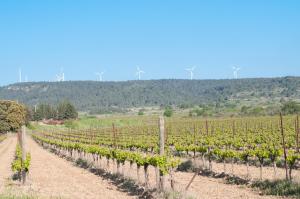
278 188
93 122
87 122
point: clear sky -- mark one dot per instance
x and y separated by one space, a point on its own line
161 36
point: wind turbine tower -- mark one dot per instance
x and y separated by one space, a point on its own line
100 76
139 72
235 71
60 77
20 75
191 71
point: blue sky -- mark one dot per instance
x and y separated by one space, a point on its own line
162 37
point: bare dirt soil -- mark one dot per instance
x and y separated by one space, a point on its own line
254 171
202 187
7 150
53 177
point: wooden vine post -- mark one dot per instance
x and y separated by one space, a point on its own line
194 142
233 128
161 149
297 133
115 147
206 126
22 145
114 135
284 148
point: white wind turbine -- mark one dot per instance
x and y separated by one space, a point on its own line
99 76
235 71
60 77
139 72
191 71
20 75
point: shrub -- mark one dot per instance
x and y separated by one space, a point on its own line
278 187
290 107
141 112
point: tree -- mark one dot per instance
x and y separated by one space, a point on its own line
29 115
198 112
257 111
12 115
66 110
44 111
290 107
245 110
168 111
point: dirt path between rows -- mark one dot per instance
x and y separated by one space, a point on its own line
7 150
254 171
54 177
202 187
210 188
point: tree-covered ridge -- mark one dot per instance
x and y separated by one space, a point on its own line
91 95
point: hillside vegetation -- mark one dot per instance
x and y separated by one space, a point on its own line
102 96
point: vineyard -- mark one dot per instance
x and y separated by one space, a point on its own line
250 143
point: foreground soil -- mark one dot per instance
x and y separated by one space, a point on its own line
54 177
7 150
202 187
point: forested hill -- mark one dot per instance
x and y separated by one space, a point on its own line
91 95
